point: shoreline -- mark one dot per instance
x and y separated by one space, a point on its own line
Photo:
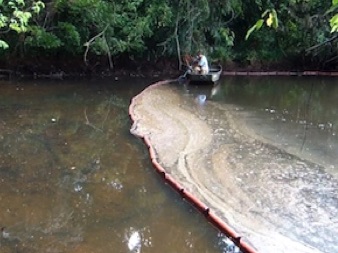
75 68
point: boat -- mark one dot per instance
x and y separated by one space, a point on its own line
212 76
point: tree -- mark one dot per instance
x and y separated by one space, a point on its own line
301 30
15 15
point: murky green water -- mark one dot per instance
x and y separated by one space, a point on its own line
73 179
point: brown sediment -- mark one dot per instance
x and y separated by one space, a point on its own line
218 166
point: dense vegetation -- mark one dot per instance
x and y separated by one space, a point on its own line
244 33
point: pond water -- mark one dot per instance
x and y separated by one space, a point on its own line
73 178
281 144
296 114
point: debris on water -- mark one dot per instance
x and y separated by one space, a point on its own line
227 245
95 165
78 188
4 233
116 184
134 242
89 199
321 126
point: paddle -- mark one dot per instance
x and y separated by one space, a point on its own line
184 76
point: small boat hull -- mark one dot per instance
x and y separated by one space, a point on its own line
212 77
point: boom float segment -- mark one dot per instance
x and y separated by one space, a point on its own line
188 196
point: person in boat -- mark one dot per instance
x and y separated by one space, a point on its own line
190 62
202 66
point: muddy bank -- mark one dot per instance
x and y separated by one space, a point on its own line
277 201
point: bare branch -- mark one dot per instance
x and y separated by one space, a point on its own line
89 42
178 44
321 44
111 64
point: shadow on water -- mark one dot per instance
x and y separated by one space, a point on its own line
73 179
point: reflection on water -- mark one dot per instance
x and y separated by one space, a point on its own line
300 115
72 178
284 156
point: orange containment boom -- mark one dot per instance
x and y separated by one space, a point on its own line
197 203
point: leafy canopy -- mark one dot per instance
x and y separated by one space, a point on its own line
15 15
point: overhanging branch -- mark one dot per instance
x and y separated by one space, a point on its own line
89 42
321 44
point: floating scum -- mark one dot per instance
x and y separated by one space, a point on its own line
238 182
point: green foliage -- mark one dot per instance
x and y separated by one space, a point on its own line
334 23
15 15
69 37
125 25
37 7
129 27
99 47
256 26
154 28
163 20
334 19
3 21
64 37
39 38
224 36
270 18
300 30
20 21
223 41
3 44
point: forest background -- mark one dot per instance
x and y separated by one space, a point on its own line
93 36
